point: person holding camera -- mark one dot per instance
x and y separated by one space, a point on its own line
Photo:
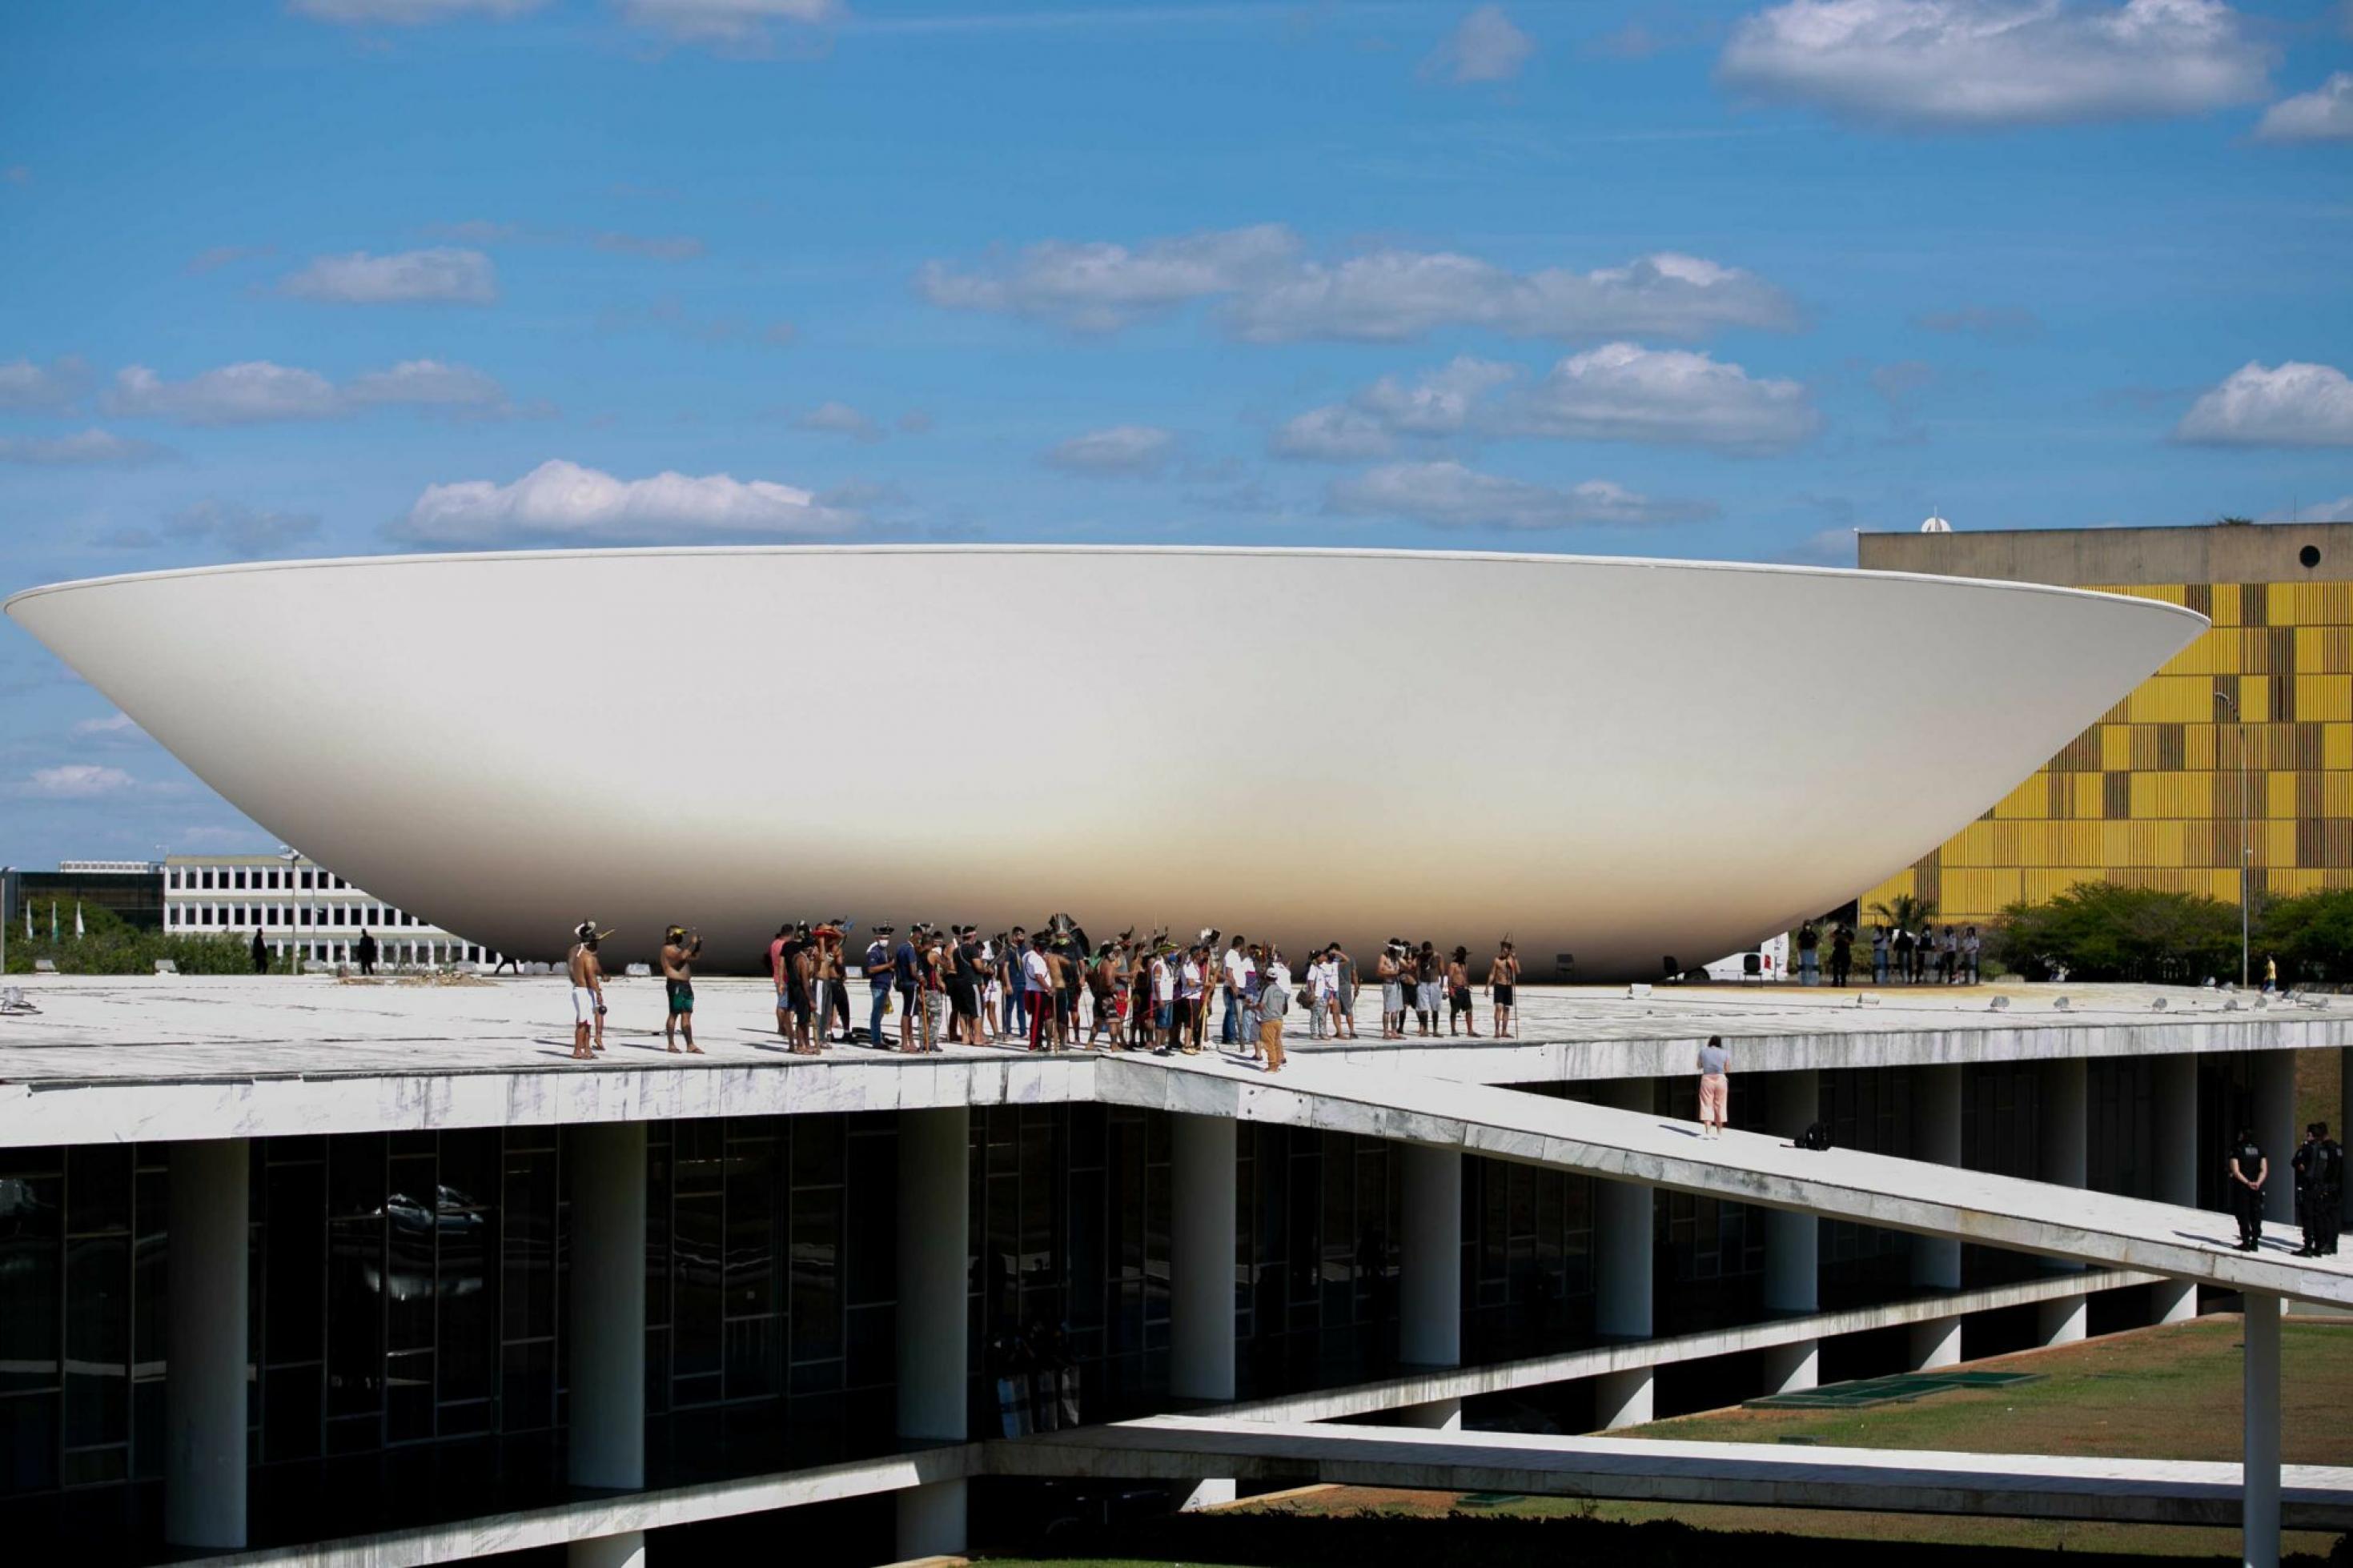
587 993
680 948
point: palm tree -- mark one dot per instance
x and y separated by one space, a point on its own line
1904 912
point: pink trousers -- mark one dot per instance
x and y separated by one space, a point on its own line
1713 1089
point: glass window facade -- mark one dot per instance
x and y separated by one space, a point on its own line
408 1344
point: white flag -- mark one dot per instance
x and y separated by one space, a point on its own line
77 919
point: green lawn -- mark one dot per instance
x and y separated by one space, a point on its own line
2168 1393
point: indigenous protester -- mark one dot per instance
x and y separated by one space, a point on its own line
780 967
1459 1015
1038 996
680 948
1715 1086
1391 972
1345 1004
1429 979
1235 973
1503 989
1273 1003
587 992
878 982
906 969
1320 982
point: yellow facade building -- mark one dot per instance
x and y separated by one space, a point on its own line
2245 739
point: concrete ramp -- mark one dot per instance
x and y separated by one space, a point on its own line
2016 1486
2070 1223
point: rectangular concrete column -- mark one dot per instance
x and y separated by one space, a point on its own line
1622 1240
2259 1453
1936 1138
627 1550
2275 1130
1201 1247
2062 1320
934 1271
2173 1137
1936 1341
206 1344
608 1434
1430 1285
1792 1241
1937 1259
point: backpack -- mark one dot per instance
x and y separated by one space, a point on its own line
1817 1136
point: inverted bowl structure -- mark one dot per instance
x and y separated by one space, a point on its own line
1621 761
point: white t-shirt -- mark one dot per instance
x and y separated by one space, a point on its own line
1238 968
1279 974
1324 978
1192 980
1035 974
1164 984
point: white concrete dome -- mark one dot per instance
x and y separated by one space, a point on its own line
1614 759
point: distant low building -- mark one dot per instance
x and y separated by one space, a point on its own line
133 890
298 903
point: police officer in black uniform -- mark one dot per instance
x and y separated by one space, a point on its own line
2249 1171
2319 1190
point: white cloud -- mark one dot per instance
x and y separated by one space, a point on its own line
115 723
76 780
409 13
1273 295
1098 285
444 274
1623 392
1442 401
1484 46
85 449
1122 449
1449 495
838 419
1962 64
426 383
1391 295
560 502
1437 403
732 24
258 392
1333 434
2325 114
26 386
2295 404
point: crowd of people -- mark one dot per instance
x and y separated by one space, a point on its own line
1947 955
1054 990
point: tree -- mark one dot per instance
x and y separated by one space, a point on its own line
1904 912
2105 930
2311 935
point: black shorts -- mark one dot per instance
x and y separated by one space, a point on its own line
1064 1003
1502 996
965 997
1458 999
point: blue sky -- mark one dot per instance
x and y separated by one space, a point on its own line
1705 280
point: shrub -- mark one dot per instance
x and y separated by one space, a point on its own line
111 946
2103 931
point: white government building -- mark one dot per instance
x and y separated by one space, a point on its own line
294 901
